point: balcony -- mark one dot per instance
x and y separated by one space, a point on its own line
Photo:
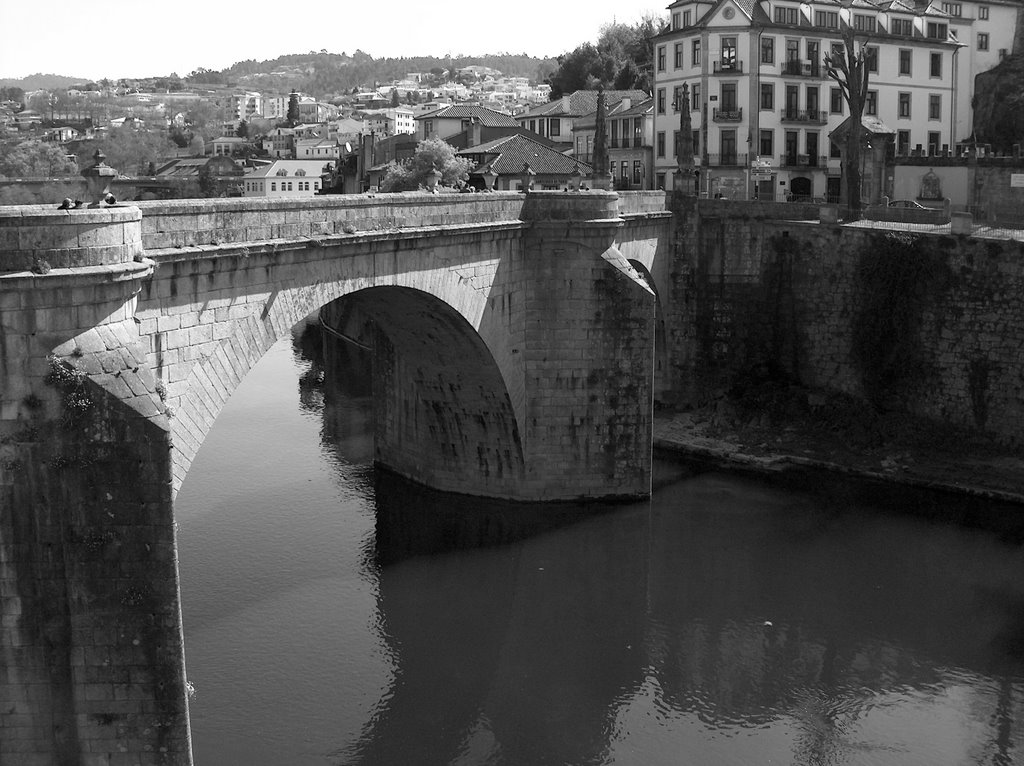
803 68
727 115
813 116
727 66
727 160
802 161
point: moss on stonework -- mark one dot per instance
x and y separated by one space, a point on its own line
895 279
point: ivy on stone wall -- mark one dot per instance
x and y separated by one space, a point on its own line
895 279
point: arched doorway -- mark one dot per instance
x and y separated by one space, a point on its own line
800 189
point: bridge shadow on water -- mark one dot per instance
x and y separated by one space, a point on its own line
725 620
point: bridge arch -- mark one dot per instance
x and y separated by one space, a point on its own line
443 414
458 293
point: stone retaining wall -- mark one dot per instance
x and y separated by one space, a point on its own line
757 297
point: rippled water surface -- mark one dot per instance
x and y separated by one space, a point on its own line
334 616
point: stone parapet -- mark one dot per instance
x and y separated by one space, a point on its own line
193 223
39 237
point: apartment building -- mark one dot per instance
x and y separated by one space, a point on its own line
762 105
630 130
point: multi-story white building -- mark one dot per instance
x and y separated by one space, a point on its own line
760 96
284 178
245 106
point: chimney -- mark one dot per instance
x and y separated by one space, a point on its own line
626 102
565 104
473 139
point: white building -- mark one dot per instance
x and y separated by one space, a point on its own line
759 93
284 178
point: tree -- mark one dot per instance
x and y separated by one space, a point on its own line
293 109
130 151
35 159
394 97
243 129
849 68
430 154
620 59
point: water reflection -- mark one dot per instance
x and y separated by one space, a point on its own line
723 622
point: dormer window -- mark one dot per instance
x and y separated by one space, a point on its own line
784 15
281 172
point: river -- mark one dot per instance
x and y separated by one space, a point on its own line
334 615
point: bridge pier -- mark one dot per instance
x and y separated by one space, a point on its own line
91 660
549 395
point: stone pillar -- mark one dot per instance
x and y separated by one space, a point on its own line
589 353
91 660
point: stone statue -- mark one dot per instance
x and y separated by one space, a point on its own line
931 186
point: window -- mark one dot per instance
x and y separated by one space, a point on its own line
871 57
660 181
555 126
675 21
677 56
638 172
982 41
934 106
934 139
871 102
695 96
728 53
792 50
675 143
623 168
787 15
766 146
686 18
695 53
661 58
273 186
902 27
767 95
905 54
613 140
812 99
660 143
983 12
677 98
902 142
661 101
835 101
695 139
935 31
935 68
863 22
953 9
767 50
826 19
904 105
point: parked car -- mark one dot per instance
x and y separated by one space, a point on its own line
908 203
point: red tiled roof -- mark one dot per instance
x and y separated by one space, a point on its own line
507 155
488 117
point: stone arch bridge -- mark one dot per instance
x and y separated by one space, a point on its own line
514 355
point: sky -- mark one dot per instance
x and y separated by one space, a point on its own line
141 38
